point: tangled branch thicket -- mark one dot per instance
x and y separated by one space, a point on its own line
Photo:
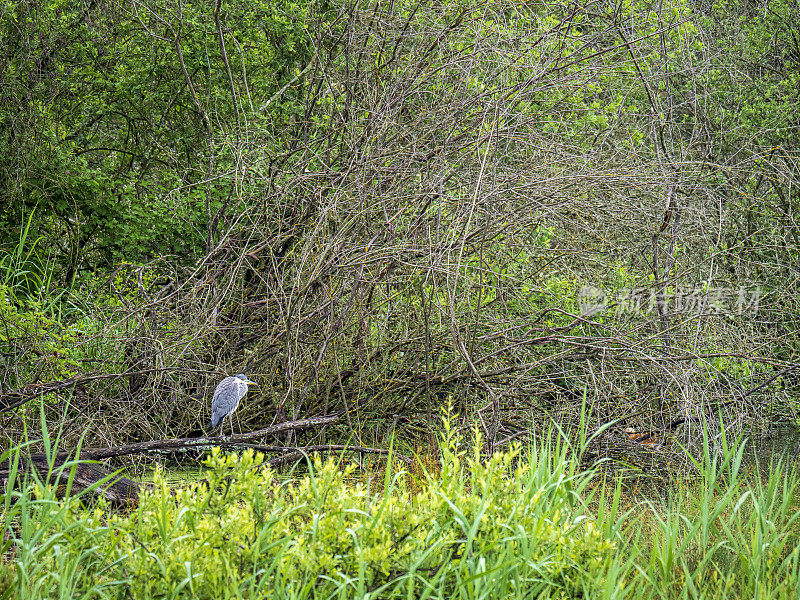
457 172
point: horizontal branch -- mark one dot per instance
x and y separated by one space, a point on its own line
182 444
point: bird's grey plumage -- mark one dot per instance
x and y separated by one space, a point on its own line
227 396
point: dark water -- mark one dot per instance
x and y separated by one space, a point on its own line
779 442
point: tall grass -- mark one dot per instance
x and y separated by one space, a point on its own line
23 270
729 532
516 525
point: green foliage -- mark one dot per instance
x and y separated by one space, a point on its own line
7 581
478 528
100 130
325 532
36 342
21 266
513 526
757 78
112 155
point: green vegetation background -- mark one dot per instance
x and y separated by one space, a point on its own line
372 208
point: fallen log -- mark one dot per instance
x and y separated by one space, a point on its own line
183 444
78 476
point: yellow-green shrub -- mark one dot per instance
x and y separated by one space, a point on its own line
503 524
320 528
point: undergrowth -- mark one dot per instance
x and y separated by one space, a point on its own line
520 524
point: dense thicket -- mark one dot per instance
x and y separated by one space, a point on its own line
376 206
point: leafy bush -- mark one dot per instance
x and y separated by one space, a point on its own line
499 527
37 344
474 518
511 526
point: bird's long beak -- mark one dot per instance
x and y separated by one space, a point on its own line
247 381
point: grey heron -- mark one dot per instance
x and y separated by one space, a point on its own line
227 396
